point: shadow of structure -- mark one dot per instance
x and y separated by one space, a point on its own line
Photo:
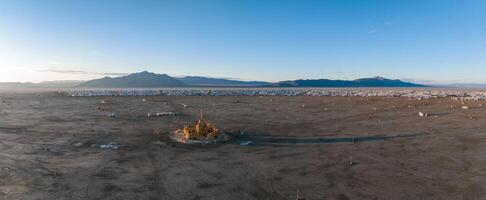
248 139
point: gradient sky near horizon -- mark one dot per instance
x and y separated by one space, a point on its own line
440 41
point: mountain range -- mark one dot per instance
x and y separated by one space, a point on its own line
363 82
151 80
148 79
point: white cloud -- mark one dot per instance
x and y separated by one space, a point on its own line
38 74
81 72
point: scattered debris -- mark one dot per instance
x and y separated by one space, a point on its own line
77 145
161 114
184 105
144 100
421 114
246 143
110 145
103 102
157 131
112 115
55 151
465 107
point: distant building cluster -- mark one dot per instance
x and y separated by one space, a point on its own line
414 93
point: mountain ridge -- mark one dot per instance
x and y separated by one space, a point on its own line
147 79
376 81
143 79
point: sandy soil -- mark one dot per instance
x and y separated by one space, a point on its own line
445 158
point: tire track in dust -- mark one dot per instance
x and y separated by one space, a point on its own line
157 182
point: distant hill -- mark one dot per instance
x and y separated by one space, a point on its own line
138 80
46 84
206 81
59 84
364 82
462 85
17 85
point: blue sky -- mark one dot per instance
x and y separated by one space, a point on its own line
439 41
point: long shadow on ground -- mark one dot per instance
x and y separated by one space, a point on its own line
258 139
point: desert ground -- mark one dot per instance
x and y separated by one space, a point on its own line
49 148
